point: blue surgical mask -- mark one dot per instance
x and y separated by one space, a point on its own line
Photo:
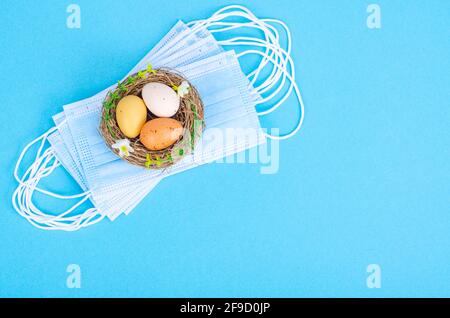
232 122
47 161
207 46
221 85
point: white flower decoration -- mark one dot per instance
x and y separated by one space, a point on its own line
124 147
183 89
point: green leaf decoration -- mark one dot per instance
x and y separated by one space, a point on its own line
194 110
192 140
150 69
198 124
131 80
175 88
110 130
141 74
158 161
148 163
113 96
109 105
121 87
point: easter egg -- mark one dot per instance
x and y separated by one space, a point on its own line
131 115
160 99
160 133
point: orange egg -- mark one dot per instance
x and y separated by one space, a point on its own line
160 133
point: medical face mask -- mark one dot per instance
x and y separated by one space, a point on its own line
180 41
221 85
65 150
46 162
149 185
274 75
117 193
282 71
203 46
129 198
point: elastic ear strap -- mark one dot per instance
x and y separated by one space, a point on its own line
271 38
277 44
23 202
283 65
281 68
282 57
271 45
44 164
215 20
297 93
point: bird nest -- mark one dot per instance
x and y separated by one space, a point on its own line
190 115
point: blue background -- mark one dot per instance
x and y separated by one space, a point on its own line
366 181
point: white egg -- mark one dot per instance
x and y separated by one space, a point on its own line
160 99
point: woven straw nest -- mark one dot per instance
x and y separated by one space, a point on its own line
190 115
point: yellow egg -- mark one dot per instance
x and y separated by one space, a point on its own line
131 115
160 133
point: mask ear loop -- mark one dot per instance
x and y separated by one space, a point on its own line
281 62
214 20
295 88
45 163
281 56
239 11
287 61
269 38
275 31
284 69
285 54
272 40
22 201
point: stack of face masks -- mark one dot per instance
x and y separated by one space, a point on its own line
229 96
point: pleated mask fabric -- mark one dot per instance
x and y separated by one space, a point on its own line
228 105
231 101
201 45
